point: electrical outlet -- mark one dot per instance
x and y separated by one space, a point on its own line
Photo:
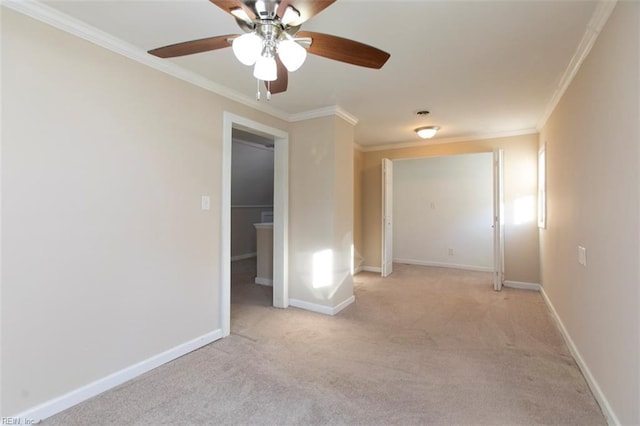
450 252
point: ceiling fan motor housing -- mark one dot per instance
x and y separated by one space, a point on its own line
266 9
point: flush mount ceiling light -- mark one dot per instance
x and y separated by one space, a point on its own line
427 132
273 43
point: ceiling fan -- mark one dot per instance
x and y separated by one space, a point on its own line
273 43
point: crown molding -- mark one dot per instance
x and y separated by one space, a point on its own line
596 23
48 15
440 141
68 24
325 112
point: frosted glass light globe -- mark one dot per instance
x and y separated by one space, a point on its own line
266 69
247 48
291 54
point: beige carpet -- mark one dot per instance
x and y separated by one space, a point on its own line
424 346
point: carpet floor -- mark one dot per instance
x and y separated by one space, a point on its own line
424 346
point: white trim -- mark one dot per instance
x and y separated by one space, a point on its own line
325 112
371 269
444 265
280 210
321 309
596 23
357 270
358 147
225 227
344 304
264 281
608 412
243 256
439 141
253 144
522 285
56 405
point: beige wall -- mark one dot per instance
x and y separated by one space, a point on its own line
520 159
443 211
592 141
107 259
343 210
321 190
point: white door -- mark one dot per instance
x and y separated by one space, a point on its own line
387 217
498 219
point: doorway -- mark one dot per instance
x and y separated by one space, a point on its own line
251 221
450 213
280 212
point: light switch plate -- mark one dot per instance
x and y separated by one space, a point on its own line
582 255
205 202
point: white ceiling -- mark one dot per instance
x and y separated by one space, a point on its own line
481 67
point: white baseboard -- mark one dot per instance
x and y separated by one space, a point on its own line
321 309
61 403
357 270
264 281
444 265
608 412
344 304
243 256
371 269
522 285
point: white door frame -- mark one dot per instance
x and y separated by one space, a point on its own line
280 214
498 219
387 217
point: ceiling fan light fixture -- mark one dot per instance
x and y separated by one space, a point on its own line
266 69
247 48
290 15
291 54
427 132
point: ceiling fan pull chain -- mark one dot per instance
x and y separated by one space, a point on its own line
258 90
268 90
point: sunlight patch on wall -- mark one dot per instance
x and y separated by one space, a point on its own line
322 268
524 210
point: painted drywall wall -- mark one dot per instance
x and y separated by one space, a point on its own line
343 211
251 193
107 258
443 210
520 159
321 190
592 152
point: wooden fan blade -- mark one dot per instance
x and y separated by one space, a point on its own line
229 5
307 9
345 50
279 85
193 46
